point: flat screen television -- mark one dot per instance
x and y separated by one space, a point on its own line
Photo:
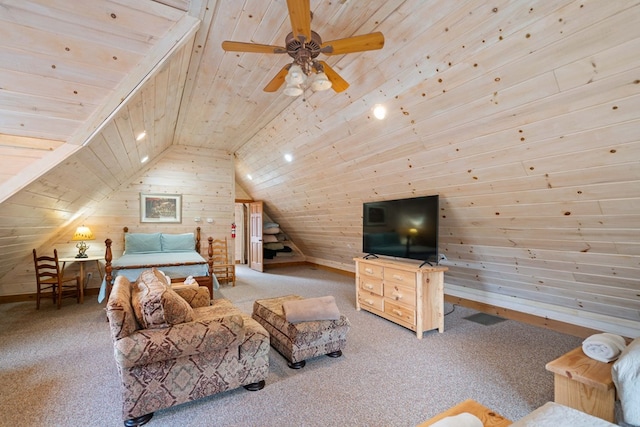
402 228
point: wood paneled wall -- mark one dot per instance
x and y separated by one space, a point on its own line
524 121
522 116
203 177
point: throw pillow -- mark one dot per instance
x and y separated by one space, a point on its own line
176 309
161 276
310 309
142 243
178 242
156 305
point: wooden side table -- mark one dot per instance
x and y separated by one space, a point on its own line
583 383
97 259
488 417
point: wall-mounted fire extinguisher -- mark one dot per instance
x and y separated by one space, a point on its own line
233 230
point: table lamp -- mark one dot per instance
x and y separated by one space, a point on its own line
82 233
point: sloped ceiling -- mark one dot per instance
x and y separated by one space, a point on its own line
523 116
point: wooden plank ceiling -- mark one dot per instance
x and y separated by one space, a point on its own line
523 116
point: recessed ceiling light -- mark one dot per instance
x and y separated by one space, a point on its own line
379 111
288 157
249 177
141 135
144 159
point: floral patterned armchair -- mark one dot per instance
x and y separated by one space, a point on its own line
174 346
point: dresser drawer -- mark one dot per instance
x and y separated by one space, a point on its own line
403 294
370 270
394 275
400 312
369 300
371 284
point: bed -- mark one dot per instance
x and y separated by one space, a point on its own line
177 255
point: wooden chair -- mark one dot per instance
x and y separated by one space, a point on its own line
52 281
223 268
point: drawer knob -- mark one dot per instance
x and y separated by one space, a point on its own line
397 312
368 286
368 271
369 301
396 295
395 276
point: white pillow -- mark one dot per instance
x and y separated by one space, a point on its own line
626 376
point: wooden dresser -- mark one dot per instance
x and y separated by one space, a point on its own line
402 292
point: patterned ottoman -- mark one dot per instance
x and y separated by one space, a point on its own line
300 341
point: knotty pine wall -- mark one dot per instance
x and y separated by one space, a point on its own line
525 122
202 176
523 117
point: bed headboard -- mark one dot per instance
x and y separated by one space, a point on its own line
197 247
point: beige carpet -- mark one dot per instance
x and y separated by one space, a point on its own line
57 367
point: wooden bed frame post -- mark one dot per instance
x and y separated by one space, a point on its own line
210 262
108 257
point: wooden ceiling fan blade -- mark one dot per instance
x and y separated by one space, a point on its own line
361 43
300 16
337 83
278 80
231 46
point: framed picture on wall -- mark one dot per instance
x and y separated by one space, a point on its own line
160 207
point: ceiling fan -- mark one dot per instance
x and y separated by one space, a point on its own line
304 46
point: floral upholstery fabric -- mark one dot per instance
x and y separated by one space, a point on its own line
195 296
220 349
156 305
299 341
207 334
122 320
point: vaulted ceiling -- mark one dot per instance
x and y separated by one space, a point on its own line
68 70
523 116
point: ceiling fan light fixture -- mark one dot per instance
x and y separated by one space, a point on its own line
293 90
320 82
295 76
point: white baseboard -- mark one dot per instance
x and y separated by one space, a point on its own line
624 327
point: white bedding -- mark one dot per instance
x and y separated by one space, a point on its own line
552 414
626 376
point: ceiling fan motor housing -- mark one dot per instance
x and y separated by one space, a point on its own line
295 46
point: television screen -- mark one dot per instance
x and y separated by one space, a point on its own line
403 228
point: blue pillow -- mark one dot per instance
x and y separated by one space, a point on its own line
142 243
178 242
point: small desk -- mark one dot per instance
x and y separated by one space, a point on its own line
583 383
488 417
95 258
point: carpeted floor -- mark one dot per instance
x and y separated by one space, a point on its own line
57 367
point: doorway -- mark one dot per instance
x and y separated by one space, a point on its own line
248 241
